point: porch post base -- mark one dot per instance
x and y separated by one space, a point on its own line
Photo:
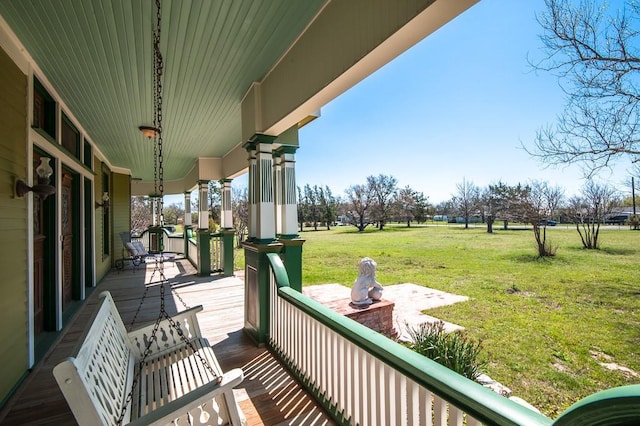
204 253
292 259
256 289
227 235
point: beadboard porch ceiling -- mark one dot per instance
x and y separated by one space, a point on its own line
98 56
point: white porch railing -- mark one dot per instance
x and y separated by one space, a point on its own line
364 378
216 252
193 252
171 243
174 244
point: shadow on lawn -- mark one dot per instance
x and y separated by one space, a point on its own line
616 251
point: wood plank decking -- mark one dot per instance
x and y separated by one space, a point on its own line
267 396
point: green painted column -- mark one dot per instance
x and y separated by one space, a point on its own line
227 251
204 235
204 253
262 236
292 258
256 294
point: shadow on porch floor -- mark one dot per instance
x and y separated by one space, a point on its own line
267 396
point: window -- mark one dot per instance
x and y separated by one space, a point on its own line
70 137
88 153
44 109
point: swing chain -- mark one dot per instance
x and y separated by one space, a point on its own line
159 192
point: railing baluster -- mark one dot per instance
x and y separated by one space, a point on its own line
455 416
439 411
425 406
354 387
369 384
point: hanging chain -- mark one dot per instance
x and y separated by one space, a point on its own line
158 178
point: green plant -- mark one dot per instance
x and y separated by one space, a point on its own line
454 350
634 222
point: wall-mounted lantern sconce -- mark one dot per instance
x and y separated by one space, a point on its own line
42 188
105 201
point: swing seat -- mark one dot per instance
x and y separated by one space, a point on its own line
172 386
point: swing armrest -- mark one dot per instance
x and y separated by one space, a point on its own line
167 336
178 407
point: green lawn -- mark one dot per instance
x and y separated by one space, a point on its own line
545 324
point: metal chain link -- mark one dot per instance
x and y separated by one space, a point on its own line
158 178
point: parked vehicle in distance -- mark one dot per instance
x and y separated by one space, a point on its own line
617 219
548 222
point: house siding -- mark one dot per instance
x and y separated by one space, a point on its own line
103 263
13 226
122 211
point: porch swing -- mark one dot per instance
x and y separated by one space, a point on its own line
163 373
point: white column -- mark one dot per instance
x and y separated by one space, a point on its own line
251 202
289 208
266 229
278 194
226 215
203 208
261 203
187 209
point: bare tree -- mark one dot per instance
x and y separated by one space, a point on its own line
214 202
489 203
383 189
240 213
359 198
466 200
140 214
406 203
590 209
595 52
536 208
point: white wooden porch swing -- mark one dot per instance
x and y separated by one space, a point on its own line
164 373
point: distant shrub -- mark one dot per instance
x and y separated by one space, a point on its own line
453 350
634 222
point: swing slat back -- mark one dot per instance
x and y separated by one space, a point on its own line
101 371
172 383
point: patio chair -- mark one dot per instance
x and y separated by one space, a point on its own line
132 251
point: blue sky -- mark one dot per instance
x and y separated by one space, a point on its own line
458 105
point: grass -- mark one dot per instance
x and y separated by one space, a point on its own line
545 324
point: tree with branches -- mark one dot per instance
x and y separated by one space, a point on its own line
140 214
595 52
360 199
383 189
406 203
466 200
590 209
327 206
240 213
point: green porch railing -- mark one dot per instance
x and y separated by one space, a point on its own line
362 377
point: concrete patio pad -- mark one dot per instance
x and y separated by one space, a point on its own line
410 300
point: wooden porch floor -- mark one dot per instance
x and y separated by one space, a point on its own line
267 396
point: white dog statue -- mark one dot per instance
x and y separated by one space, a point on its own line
366 289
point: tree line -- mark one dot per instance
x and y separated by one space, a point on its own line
375 202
